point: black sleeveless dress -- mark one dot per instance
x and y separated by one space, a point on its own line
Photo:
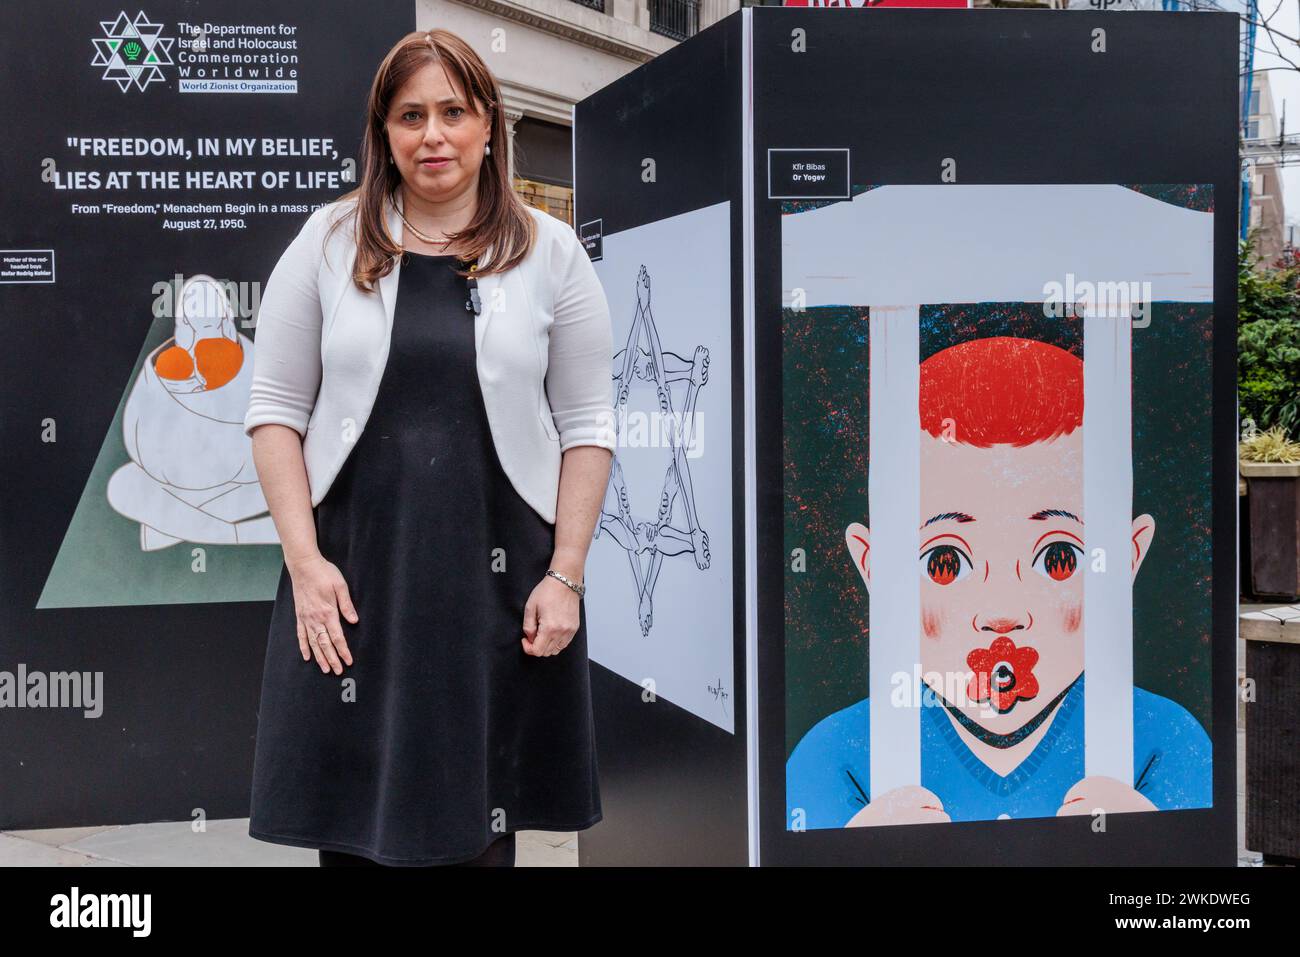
444 734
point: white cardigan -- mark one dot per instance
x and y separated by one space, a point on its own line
543 339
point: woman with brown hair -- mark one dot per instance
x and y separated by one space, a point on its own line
432 424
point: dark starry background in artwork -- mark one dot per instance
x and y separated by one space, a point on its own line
825 368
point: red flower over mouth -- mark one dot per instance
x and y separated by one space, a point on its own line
1004 674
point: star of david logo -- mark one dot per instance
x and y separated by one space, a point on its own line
132 51
675 530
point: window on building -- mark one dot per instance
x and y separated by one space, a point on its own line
556 200
543 155
678 19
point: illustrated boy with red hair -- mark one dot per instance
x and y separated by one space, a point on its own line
1001 564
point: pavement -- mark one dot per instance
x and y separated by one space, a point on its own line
221 844
227 844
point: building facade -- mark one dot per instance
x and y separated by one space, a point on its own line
1262 150
549 54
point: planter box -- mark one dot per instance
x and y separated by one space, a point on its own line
1243 538
1273 733
1273 498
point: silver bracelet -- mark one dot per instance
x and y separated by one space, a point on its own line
579 587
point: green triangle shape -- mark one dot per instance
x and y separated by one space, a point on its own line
101 562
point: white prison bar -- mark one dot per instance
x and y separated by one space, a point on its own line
1107 535
993 243
894 503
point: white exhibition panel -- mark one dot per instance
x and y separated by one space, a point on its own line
655 616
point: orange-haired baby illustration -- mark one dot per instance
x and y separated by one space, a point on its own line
1001 566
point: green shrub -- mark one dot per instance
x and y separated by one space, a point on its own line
1268 341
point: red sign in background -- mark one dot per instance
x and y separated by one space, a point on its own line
962 4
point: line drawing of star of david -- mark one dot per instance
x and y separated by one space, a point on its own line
676 529
132 51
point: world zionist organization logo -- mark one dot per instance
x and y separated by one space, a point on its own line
132 51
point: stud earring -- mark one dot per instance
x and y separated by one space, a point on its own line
390 160
487 147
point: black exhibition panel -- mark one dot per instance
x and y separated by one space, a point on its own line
800 120
149 145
